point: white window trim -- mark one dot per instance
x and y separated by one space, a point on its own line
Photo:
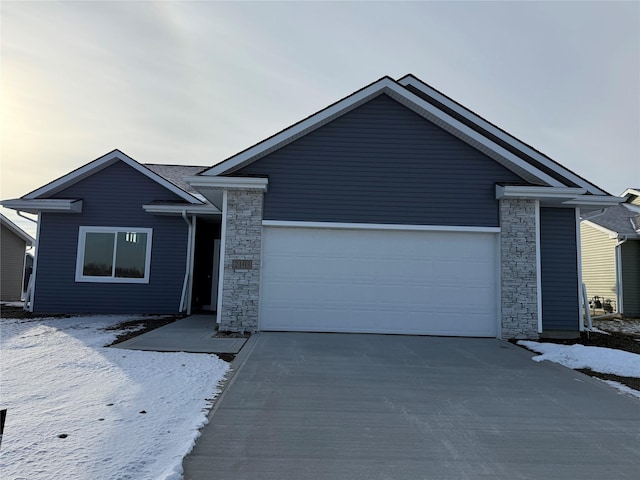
83 230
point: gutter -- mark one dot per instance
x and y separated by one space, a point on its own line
185 283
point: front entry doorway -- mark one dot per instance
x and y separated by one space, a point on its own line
206 265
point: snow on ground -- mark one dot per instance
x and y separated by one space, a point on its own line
623 388
628 325
604 360
126 414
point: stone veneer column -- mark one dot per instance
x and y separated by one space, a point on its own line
243 241
518 265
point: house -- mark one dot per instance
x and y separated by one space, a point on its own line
610 241
13 244
393 210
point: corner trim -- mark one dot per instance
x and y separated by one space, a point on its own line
579 265
223 243
538 268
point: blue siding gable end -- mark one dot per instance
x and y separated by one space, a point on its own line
381 163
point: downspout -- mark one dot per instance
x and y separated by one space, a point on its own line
621 239
22 215
185 283
31 288
28 294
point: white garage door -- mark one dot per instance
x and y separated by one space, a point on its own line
379 281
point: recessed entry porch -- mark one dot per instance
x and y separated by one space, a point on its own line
202 258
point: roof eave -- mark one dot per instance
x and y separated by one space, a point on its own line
50 205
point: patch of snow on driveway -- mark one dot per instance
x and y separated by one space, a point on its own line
604 360
76 409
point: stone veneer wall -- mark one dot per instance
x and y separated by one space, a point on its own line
243 241
519 281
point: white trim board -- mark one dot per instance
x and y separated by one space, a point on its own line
538 269
83 230
380 226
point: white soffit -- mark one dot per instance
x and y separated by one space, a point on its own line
571 197
161 209
249 183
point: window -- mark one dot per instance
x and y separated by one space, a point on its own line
112 254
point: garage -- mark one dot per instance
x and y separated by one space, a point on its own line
379 280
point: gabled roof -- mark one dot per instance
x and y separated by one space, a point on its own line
495 133
17 230
105 161
620 220
432 105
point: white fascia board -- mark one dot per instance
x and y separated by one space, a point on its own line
481 122
406 98
631 191
379 226
101 163
52 205
594 201
178 209
537 193
17 230
223 183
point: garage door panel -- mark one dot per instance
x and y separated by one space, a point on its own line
441 283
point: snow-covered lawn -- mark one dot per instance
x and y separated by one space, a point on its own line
76 409
598 359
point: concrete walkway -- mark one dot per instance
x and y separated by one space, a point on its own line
339 406
190 334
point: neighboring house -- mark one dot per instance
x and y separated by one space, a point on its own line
611 256
13 244
393 210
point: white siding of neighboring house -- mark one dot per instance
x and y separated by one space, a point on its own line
598 262
12 255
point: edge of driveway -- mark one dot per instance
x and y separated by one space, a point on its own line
236 365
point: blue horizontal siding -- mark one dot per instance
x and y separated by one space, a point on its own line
559 269
111 197
381 163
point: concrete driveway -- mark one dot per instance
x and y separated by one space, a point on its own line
350 406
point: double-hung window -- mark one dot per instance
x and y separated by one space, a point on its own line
113 254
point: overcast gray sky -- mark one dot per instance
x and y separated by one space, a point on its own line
195 82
